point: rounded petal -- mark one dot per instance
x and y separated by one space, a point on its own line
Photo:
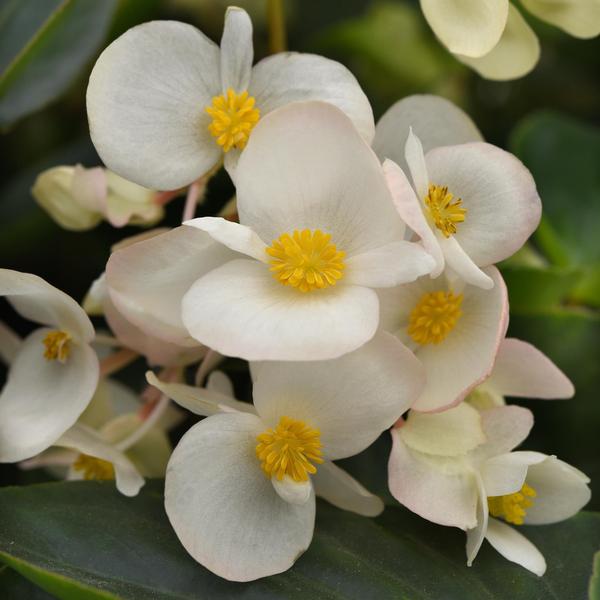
146 99
561 490
42 398
506 473
306 167
389 265
411 211
233 235
470 27
240 310
515 55
10 344
148 279
340 489
434 120
438 489
580 18
224 510
350 412
498 193
505 427
514 546
38 301
292 77
453 432
462 264
87 441
294 492
521 370
237 50
466 356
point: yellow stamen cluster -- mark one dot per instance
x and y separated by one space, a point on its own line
94 468
58 346
434 317
512 507
233 118
444 213
289 449
306 260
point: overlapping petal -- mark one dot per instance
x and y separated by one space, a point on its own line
237 50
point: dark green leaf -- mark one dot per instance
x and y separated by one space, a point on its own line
15 587
595 580
72 538
44 47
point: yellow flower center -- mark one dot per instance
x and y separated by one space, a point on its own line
512 507
444 213
290 449
58 346
94 468
434 317
233 118
306 260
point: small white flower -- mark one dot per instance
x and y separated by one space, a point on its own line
318 230
240 486
166 104
454 330
472 205
78 199
457 468
54 372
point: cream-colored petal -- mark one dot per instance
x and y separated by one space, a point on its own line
580 18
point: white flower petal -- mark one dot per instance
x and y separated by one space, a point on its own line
389 265
435 120
294 492
411 211
515 55
470 27
38 301
340 489
148 279
237 50
224 510
10 344
43 398
200 401
437 489
349 412
87 441
506 473
580 18
240 310
453 432
514 546
291 77
233 235
522 370
306 167
498 193
505 427
460 262
562 491
415 159
146 99
476 535
218 381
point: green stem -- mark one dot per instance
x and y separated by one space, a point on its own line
277 33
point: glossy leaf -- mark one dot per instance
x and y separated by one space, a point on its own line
83 540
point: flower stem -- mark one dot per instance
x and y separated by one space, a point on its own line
116 361
146 425
277 33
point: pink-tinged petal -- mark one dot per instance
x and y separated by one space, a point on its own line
148 279
458 260
440 490
476 535
466 356
505 427
514 546
522 370
415 159
411 211
237 50
498 193
240 310
224 510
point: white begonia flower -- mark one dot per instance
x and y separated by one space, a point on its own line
493 38
54 373
453 328
319 231
456 468
472 205
240 486
522 371
166 104
78 198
